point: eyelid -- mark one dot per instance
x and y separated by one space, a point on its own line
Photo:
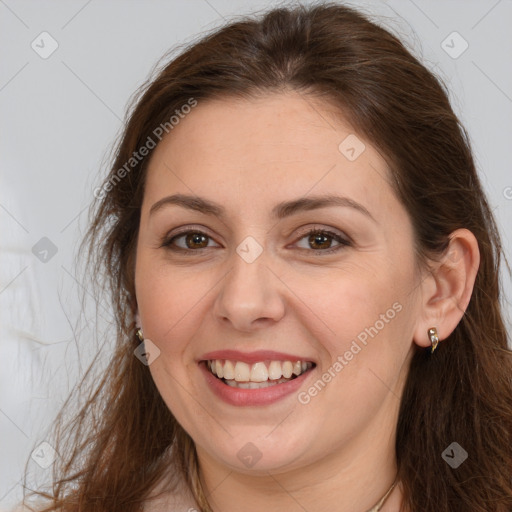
186 229
332 231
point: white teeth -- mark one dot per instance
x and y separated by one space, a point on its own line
229 370
287 369
259 372
274 370
218 368
242 372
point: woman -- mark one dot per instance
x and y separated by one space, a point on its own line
304 269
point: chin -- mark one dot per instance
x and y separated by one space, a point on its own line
255 451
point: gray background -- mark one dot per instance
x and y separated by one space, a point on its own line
60 115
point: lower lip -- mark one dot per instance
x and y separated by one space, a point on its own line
263 396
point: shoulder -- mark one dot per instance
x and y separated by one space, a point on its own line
166 499
171 493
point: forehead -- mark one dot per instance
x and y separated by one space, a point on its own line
279 145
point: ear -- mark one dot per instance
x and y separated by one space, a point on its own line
447 290
134 307
135 311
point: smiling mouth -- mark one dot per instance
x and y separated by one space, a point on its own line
239 374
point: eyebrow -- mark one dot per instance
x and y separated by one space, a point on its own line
280 211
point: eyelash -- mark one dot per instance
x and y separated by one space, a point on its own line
314 231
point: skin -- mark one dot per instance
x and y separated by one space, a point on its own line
335 452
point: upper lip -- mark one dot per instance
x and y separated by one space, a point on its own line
253 357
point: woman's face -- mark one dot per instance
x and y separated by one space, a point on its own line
228 272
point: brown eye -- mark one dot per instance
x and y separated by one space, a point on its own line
320 241
196 240
188 242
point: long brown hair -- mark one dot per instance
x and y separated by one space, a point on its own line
463 393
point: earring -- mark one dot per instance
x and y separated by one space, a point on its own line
434 338
139 334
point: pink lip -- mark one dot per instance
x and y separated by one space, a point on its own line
252 357
246 397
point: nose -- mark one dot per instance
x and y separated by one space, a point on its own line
250 296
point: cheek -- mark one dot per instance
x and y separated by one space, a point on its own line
367 327
354 302
169 301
